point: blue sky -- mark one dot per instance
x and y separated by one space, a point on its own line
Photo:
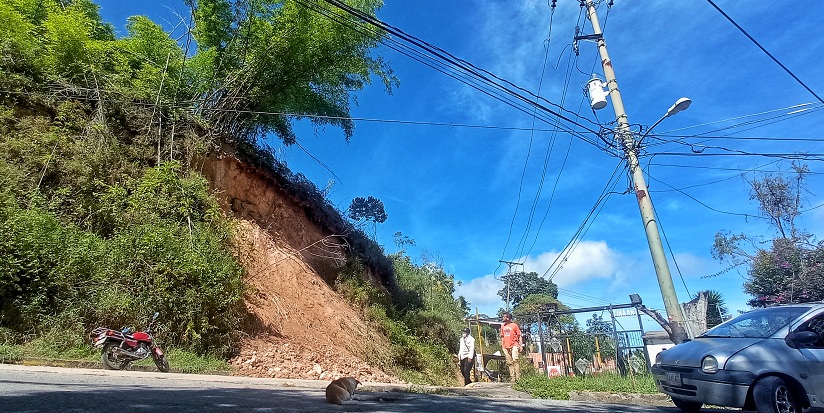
464 194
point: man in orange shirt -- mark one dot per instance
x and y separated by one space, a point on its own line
511 341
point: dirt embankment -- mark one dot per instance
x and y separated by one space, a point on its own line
300 328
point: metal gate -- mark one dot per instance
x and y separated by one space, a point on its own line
580 353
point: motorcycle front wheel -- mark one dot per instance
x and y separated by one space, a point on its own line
110 359
161 363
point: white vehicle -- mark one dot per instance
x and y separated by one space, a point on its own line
769 359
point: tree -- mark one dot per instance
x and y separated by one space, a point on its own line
258 65
716 308
426 301
779 199
262 63
597 325
790 270
602 331
519 285
401 241
363 210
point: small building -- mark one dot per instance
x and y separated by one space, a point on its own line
656 342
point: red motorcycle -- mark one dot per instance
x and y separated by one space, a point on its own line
120 348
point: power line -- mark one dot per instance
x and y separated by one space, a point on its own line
794 109
753 123
521 96
557 263
743 138
765 50
550 145
715 168
573 63
672 254
696 149
583 297
757 123
734 152
701 203
186 105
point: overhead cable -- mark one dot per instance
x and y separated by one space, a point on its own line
518 93
765 50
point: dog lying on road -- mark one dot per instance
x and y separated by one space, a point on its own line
341 389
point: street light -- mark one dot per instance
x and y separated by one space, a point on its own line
678 106
656 247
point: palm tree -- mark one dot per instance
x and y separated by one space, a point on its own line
716 308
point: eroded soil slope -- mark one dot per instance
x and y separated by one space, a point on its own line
300 327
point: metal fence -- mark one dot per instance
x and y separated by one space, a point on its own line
557 347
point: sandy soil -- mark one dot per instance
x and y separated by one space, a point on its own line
301 328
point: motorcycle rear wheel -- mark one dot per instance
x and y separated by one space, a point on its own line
109 358
161 363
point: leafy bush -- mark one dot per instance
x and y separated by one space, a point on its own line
168 254
350 284
422 323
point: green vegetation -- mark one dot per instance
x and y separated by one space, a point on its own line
10 353
60 279
422 319
188 362
103 216
558 388
260 60
790 268
179 360
425 304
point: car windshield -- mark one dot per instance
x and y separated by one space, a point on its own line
759 323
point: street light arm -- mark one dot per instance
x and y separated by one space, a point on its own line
678 106
650 128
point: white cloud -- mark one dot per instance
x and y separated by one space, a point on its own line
482 293
590 259
595 274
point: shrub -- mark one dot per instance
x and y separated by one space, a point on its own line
54 275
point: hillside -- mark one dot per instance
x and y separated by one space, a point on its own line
301 328
140 175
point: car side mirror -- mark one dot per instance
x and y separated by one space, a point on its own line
800 339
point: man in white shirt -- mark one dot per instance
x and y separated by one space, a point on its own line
466 354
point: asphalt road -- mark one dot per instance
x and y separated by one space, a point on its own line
49 389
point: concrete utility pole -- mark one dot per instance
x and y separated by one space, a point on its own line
623 132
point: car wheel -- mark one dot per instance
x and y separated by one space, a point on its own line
772 395
686 405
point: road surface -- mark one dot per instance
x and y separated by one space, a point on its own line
53 389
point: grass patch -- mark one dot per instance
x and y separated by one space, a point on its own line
558 388
187 362
182 361
10 353
43 347
179 360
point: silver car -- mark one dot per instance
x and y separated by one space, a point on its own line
768 359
